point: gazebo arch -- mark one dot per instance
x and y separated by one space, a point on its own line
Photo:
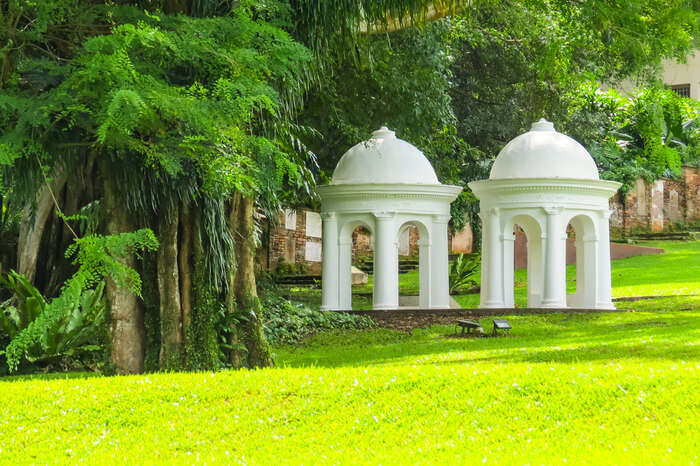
544 180
385 183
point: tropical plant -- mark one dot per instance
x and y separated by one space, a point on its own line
649 135
78 331
287 322
57 325
462 270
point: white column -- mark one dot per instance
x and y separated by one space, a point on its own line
555 261
604 278
493 256
508 269
386 263
424 264
439 268
329 280
534 270
345 273
589 286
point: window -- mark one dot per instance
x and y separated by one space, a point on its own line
682 90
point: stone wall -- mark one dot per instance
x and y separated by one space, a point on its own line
295 239
661 205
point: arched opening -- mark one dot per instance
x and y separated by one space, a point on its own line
523 264
362 269
582 253
354 232
414 248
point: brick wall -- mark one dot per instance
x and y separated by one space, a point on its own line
289 241
657 206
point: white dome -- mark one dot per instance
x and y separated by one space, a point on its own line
543 152
384 159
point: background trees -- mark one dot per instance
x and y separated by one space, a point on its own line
191 118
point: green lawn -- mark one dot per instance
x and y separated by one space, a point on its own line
675 272
597 388
602 388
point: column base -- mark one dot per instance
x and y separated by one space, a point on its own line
494 305
384 307
553 305
330 308
608 305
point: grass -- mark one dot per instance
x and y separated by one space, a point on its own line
602 388
676 272
594 388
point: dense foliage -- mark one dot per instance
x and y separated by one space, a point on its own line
191 118
288 322
650 135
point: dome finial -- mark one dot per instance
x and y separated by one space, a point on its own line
383 133
542 125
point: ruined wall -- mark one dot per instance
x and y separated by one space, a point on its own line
661 205
295 239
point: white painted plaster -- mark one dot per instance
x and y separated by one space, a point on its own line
313 225
385 184
313 252
532 185
290 219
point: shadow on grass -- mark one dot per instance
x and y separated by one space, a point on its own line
552 338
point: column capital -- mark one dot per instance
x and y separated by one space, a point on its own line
495 211
441 219
424 242
384 215
553 210
329 215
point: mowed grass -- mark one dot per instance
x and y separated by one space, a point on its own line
598 388
595 388
675 272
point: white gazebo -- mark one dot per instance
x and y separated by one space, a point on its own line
385 185
543 181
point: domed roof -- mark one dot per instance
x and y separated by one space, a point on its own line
385 159
543 152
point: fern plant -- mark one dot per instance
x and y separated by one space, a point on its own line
77 332
56 327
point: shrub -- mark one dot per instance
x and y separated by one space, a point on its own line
286 322
462 270
77 334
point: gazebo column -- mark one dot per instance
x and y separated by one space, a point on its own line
344 274
330 284
440 267
534 270
424 266
555 261
386 263
508 269
493 257
587 278
604 279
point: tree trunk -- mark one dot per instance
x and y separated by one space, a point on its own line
127 333
32 227
244 288
236 355
171 350
185 264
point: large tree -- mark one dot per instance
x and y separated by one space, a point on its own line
183 116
